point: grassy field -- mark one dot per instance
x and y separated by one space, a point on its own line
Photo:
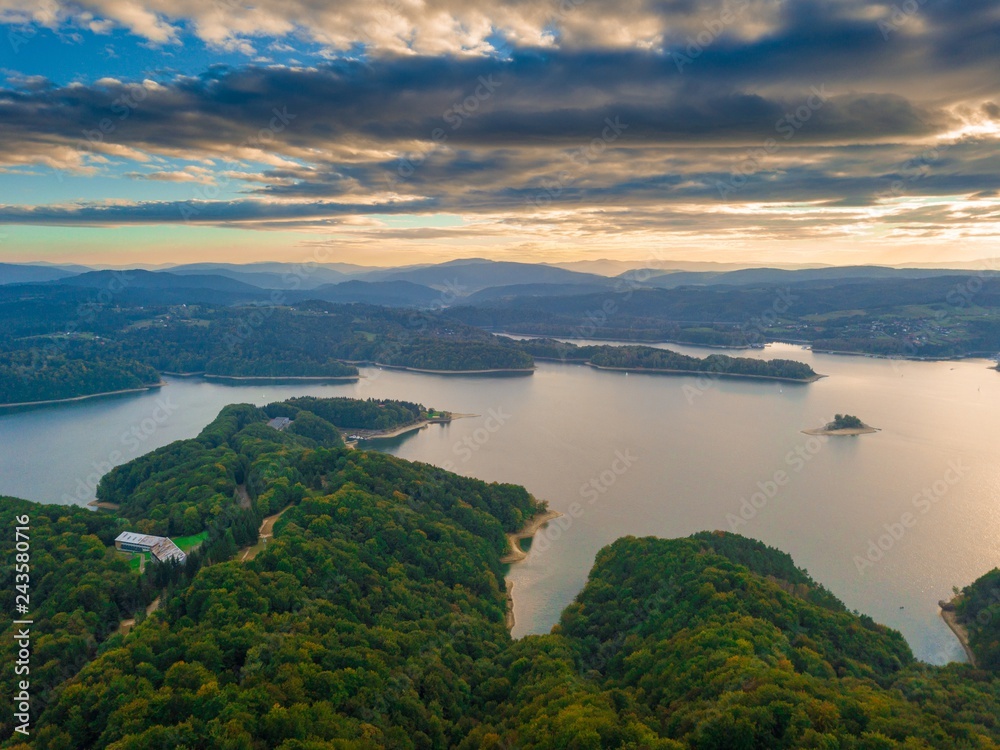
187 542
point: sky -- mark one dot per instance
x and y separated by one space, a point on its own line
410 131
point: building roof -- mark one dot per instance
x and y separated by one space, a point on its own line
132 537
165 550
279 423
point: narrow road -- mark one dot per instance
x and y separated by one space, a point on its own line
265 533
125 626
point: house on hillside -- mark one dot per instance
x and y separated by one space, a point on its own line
279 423
160 548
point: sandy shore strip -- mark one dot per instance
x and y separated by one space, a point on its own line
866 430
517 554
383 434
84 398
950 616
527 531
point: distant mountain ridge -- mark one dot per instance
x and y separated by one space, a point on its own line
470 281
140 279
674 279
19 273
385 293
468 276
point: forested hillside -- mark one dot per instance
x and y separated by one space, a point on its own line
979 609
651 359
61 343
79 591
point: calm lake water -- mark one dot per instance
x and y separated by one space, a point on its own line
653 455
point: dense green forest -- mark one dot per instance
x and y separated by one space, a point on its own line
638 358
846 422
59 343
375 618
562 351
979 610
79 591
33 375
352 413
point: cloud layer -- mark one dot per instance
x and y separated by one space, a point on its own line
821 119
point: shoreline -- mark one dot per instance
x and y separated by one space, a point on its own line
642 342
806 344
95 503
493 371
905 358
143 389
706 373
395 432
950 617
866 430
566 361
402 430
517 554
277 378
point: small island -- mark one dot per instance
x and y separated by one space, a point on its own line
843 424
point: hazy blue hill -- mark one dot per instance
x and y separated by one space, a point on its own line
515 291
718 303
672 280
271 275
17 273
141 279
468 276
387 293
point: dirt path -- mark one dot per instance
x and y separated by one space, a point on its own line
125 626
265 533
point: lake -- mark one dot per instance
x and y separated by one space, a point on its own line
890 522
